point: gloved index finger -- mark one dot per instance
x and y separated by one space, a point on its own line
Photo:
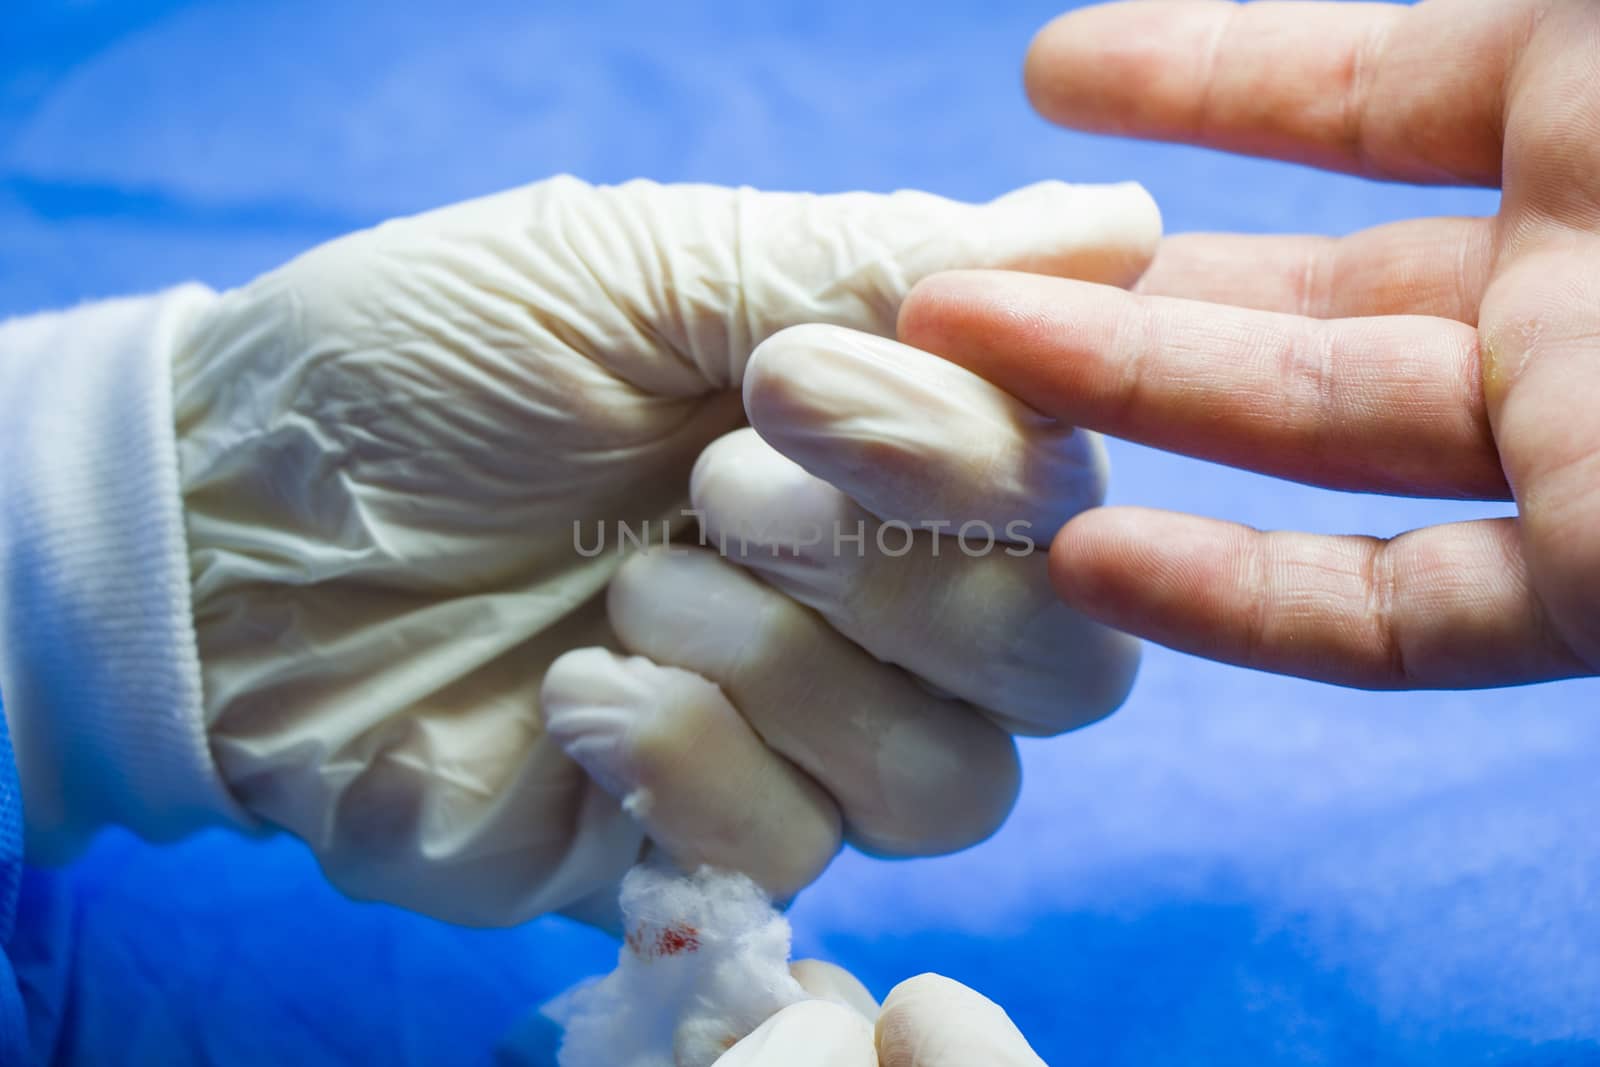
917 439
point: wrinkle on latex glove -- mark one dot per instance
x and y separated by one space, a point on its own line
763 261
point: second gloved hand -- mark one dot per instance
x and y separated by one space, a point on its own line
926 1021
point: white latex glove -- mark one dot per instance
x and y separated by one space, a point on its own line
927 1021
384 449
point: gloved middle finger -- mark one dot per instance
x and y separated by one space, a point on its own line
972 614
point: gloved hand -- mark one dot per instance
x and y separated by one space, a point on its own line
394 453
926 1021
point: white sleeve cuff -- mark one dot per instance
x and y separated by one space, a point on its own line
99 671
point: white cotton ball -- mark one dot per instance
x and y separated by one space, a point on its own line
705 962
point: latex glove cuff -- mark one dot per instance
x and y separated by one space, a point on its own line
98 668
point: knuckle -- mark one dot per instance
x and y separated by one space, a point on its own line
1380 578
1305 368
1256 600
1320 277
1359 95
1132 339
1212 68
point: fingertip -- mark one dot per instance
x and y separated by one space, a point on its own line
941 308
991 807
772 369
720 462
590 701
669 745
920 988
1098 232
1145 237
1132 214
1160 574
1066 72
598 706
919 313
651 581
1029 334
571 676
743 487
1041 64
1127 565
936 817
1074 558
1104 68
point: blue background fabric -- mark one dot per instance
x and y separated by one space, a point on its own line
1237 868
13 1022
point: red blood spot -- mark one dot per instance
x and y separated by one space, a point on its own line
668 941
677 938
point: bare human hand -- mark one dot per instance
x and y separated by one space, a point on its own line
1439 357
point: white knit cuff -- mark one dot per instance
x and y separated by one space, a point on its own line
99 671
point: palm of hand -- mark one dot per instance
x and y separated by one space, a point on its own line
1448 357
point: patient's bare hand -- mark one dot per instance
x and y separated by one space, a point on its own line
1439 357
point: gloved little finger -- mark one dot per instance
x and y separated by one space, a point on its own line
913 773
977 618
910 436
812 1033
932 1021
688 767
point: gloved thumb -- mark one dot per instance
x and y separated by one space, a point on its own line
719 270
812 1033
933 1021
